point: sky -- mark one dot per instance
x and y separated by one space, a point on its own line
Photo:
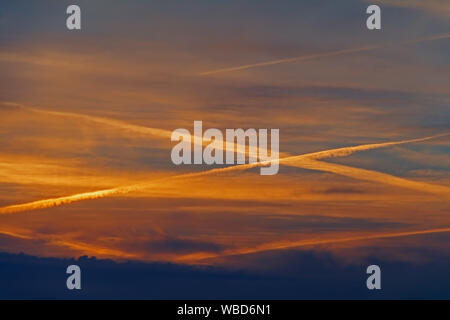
85 167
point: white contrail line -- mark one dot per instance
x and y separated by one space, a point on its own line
252 152
293 160
322 55
287 60
345 151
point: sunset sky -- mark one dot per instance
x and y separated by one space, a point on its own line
86 118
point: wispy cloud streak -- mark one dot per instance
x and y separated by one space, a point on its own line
323 55
281 245
81 247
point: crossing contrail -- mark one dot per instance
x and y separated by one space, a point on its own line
292 160
323 55
166 134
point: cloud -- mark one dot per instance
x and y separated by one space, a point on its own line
344 190
289 244
80 247
292 160
109 88
294 274
197 236
181 246
137 129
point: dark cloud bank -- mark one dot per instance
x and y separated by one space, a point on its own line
298 275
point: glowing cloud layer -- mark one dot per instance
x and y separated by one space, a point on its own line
293 161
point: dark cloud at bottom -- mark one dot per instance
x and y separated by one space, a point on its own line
310 275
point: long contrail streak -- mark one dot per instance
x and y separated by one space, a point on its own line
370 175
252 152
280 245
345 151
322 55
166 134
292 160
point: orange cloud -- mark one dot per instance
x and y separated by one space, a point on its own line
48 203
280 245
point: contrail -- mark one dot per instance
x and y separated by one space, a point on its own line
156 132
252 152
280 245
85 248
166 134
293 160
195 258
82 247
162 133
322 55
287 60
345 151
54 202
14 235
370 175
